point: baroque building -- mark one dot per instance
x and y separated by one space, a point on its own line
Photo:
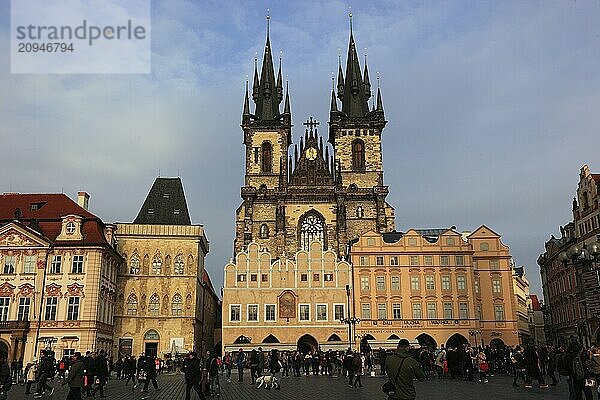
58 281
162 302
522 300
433 287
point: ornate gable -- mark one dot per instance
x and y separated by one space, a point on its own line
16 235
7 290
312 165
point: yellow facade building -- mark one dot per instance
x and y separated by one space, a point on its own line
160 294
433 287
58 281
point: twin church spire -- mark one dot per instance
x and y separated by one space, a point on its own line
267 91
353 90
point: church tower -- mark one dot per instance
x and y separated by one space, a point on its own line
355 134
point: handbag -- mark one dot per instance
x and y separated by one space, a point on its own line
142 375
389 388
484 367
445 366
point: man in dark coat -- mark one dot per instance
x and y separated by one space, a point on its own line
402 370
129 369
45 372
532 363
5 375
89 361
149 366
193 375
101 374
75 377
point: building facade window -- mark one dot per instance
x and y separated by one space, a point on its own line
484 246
379 260
360 212
431 311
132 304
446 282
316 277
430 282
321 312
381 311
365 283
154 305
412 241
55 265
494 264
328 277
460 260
177 305
364 260
265 278
450 241
365 311
448 310
24 306
51 305
394 260
358 155
29 263
266 157
428 260
303 277
415 283
304 312
414 260
499 312
264 231
395 283
416 311
235 313
476 282
380 283
444 261
270 312
156 265
496 286
4 308
178 265
478 311
311 230
338 310
252 313
134 265
461 282
397 311
77 264
9 264
241 277
73 309
463 310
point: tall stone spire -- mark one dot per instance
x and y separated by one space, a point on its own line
354 101
267 102
246 110
379 101
367 80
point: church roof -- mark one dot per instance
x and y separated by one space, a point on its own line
165 204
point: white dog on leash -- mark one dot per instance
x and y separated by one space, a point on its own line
268 381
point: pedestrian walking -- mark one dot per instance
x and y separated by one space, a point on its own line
240 362
149 366
129 368
357 368
75 377
402 370
101 374
30 375
45 372
193 375
5 377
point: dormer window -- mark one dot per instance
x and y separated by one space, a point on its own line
36 206
165 195
70 229
151 211
176 211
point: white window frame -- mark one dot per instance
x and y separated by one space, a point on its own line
397 308
363 279
56 261
4 308
317 312
394 260
415 279
248 313
497 281
448 281
466 310
384 310
274 313
239 312
27 263
335 305
429 279
434 310
377 283
12 265
328 275
73 306
50 307
362 311
451 309
394 288
414 309
464 282
300 312
24 304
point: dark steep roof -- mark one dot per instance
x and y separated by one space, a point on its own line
165 204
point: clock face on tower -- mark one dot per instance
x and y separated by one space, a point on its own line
311 153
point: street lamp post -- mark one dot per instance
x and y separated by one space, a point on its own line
351 321
474 333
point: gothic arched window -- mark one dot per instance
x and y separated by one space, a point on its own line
132 304
178 266
264 231
177 305
358 155
311 229
134 265
267 157
154 305
156 265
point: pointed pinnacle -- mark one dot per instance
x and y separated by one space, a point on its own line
379 102
286 108
333 102
246 101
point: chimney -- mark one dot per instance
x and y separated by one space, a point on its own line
83 199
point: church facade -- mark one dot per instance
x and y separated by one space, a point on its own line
303 203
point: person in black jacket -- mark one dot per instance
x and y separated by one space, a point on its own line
149 366
5 375
45 371
193 375
101 374
75 377
89 372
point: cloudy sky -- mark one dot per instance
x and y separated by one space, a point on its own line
492 106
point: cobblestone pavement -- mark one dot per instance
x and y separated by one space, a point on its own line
321 387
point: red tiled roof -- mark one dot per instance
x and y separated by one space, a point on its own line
52 207
596 178
535 303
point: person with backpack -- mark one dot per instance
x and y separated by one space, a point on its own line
401 370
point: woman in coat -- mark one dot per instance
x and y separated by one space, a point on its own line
357 367
482 364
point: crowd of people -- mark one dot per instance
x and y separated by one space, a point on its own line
87 375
